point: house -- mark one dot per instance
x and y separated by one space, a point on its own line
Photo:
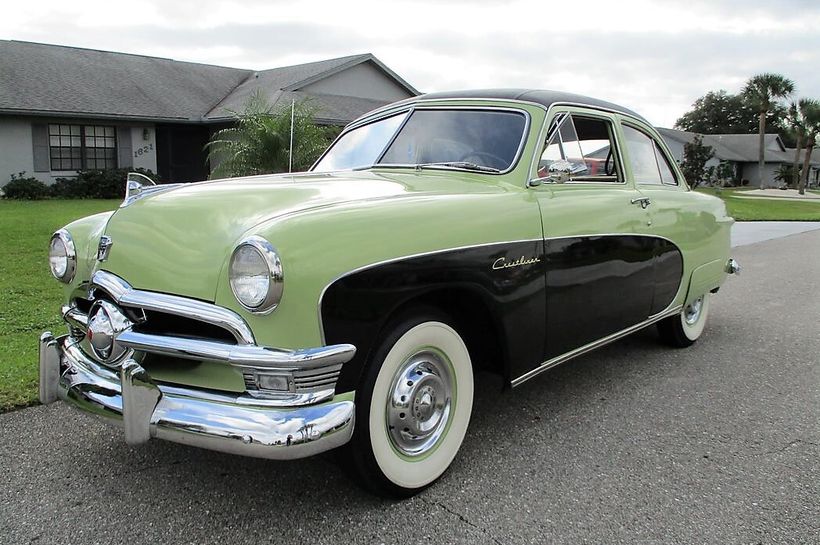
67 108
742 151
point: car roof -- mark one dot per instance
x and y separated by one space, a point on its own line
539 96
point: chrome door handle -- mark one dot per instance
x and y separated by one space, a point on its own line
644 201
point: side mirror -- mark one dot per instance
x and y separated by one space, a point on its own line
558 172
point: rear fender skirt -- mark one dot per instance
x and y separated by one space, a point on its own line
508 277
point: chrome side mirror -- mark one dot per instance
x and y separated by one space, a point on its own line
558 172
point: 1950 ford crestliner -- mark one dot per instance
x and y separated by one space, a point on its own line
280 316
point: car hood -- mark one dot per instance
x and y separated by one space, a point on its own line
177 241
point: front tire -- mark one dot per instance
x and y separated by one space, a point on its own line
413 406
685 328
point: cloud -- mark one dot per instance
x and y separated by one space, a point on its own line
655 57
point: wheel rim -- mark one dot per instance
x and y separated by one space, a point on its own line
419 404
691 314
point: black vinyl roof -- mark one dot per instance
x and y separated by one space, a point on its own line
539 96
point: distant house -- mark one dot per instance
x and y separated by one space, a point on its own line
66 108
742 150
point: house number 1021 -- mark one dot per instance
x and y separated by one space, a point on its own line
143 150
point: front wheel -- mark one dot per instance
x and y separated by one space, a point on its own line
413 407
684 329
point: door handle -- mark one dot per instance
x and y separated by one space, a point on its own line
643 201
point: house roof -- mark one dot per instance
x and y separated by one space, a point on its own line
43 79
743 148
280 85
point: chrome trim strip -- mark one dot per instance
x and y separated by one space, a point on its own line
233 424
401 258
549 364
457 248
125 295
255 357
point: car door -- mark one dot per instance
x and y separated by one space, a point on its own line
671 215
598 267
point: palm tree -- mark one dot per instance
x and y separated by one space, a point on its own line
259 142
802 113
811 119
762 92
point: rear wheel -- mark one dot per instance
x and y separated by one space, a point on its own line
684 329
413 406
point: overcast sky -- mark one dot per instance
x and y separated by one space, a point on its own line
655 57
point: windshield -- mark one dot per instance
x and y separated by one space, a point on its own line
481 140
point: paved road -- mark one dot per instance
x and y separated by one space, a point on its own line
635 443
749 232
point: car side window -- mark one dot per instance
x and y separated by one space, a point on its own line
586 143
649 165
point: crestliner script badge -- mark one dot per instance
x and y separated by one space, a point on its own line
502 263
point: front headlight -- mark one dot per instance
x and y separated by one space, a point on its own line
62 258
256 275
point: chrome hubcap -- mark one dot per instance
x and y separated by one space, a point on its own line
692 311
418 408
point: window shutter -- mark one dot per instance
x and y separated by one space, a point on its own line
39 141
124 150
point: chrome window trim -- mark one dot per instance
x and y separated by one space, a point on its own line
123 294
513 164
549 364
411 109
660 145
276 274
70 254
369 121
624 182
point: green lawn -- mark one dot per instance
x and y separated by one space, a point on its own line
762 209
31 298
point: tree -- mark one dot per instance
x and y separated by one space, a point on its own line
812 121
695 156
718 112
762 93
725 174
259 142
801 113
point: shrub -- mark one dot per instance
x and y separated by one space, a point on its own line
97 184
25 188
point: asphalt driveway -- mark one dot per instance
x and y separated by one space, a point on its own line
635 443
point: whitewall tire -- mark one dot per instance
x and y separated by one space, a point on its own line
413 406
684 329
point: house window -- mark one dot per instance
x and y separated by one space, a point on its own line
75 147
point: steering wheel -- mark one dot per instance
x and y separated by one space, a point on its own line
485 159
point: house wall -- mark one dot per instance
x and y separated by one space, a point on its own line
363 80
17 147
16 151
749 171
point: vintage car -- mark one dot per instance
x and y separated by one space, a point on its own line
280 316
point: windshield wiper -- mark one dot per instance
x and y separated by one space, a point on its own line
466 165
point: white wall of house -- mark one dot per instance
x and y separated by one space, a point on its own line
17 148
750 171
363 80
16 152
144 147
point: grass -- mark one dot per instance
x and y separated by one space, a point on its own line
31 298
762 209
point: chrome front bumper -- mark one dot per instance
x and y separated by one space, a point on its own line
237 424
